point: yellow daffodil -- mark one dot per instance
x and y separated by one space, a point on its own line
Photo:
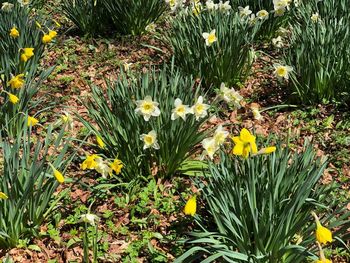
267 150
116 166
14 32
191 206
100 142
13 98
147 108
180 110
52 33
244 144
46 39
27 53
200 109
32 121
3 196
210 38
282 71
16 82
57 174
323 234
197 8
322 258
150 140
90 162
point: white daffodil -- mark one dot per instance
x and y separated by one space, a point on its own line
127 66
244 12
102 167
7 7
210 147
180 110
150 140
315 17
282 71
200 109
210 38
151 28
230 96
24 2
256 113
174 4
147 108
89 218
220 135
281 4
67 119
280 12
211 5
277 42
262 14
224 7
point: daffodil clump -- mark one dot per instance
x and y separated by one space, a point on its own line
104 167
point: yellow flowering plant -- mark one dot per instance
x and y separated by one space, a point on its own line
158 127
29 177
261 208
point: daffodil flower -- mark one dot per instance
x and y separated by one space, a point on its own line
32 121
323 234
244 144
211 5
277 42
46 39
102 167
13 98
100 142
199 109
117 166
210 147
267 150
150 140
52 33
147 108
14 32
220 135
90 162
16 82
244 12
282 71
210 38
256 113
191 206
3 196
262 14
315 17
27 53
224 7
7 7
180 110
230 96
89 218
57 174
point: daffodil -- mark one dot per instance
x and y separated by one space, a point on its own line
282 71
89 218
3 196
147 108
103 168
244 11
151 28
224 7
199 109
16 82
267 150
117 166
322 258
323 234
46 39
57 174
32 121
281 4
256 113
67 119
210 38
180 110
230 96
262 14
191 206
197 8
150 140
7 7
211 5
220 135
90 162
210 147
100 142
127 66
23 2
14 32
27 53
279 11
277 42
315 17
13 98
52 33
244 144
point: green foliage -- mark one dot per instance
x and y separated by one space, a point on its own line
132 17
88 15
227 60
28 181
258 208
120 127
11 49
319 52
96 17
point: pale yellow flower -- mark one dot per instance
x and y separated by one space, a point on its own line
147 108
262 14
210 38
220 135
200 109
210 147
282 71
180 110
150 140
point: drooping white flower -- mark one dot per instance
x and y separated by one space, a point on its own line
7 7
282 71
244 12
199 109
210 38
262 14
150 140
180 110
220 135
277 42
147 108
315 17
230 96
210 147
256 113
102 167
89 218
